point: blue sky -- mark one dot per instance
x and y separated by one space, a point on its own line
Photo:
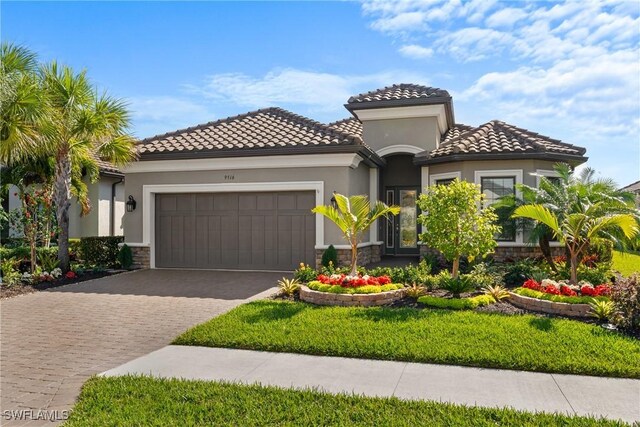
567 70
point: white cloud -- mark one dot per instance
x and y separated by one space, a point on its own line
416 51
473 43
288 87
400 22
154 114
506 17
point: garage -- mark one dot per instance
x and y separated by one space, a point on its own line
246 231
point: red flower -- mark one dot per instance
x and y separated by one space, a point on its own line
70 275
532 284
602 290
567 291
549 289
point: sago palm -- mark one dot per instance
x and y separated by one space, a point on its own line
353 216
577 230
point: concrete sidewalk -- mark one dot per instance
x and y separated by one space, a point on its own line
615 398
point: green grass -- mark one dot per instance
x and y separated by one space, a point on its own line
436 336
145 401
626 263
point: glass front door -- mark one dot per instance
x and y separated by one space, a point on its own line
401 232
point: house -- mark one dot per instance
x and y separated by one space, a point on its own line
107 205
635 189
237 193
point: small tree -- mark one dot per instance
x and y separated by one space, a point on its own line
455 223
353 216
578 230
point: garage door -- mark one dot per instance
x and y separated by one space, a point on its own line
254 231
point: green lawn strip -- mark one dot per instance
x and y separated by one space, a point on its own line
468 338
626 263
160 402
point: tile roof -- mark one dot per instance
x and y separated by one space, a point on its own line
351 126
107 166
634 188
264 129
496 137
398 92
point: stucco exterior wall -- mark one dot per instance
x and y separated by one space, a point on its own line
421 132
343 180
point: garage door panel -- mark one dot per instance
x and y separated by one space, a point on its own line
272 231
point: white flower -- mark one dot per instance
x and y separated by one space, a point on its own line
56 272
549 282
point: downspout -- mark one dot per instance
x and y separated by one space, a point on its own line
112 206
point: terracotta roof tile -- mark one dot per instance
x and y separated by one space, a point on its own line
403 91
256 130
498 137
351 126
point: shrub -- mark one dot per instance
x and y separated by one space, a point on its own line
497 292
625 294
435 281
458 285
602 310
518 272
416 274
48 260
415 291
10 275
305 274
602 250
481 277
330 255
100 250
74 248
557 298
288 287
125 257
436 261
456 303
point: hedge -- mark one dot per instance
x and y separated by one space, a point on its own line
457 303
100 250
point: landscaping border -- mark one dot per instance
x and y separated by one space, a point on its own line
348 300
550 307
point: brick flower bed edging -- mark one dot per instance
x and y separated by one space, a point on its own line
347 300
550 307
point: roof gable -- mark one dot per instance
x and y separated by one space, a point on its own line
269 128
497 138
400 92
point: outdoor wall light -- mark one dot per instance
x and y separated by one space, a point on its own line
131 204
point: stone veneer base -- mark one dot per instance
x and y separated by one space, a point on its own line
550 307
366 255
141 256
349 300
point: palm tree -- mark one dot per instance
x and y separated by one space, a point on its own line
577 230
353 216
562 195
21 102
80 126
74 125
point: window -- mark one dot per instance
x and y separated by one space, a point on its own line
494 188
445 181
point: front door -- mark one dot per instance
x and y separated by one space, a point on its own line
401 231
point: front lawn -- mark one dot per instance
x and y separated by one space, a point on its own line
470 338
626 263
158 402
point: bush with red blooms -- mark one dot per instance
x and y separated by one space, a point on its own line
600 290
70 275
586 290
353 281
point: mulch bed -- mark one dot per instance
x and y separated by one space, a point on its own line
28 289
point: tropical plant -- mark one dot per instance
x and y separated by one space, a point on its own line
288 286
625 294
10 275
497 292
48 261
415 291
353 216
602 310
562 195
457 285
589 223
454 225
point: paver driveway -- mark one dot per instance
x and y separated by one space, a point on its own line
52 341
